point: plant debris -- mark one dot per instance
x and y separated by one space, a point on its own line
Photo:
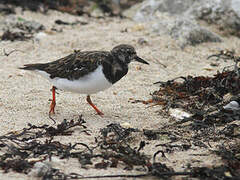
7 54
80 7
213 103
60 22
13 36
202 96
6 9
212 127
19 29
24 145
26 151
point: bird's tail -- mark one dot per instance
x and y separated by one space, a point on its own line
33 67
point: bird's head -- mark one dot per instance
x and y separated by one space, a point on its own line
126 53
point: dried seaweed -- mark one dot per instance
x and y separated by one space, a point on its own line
211 127
7 54
25 149
79 7
26 144
230 155
6 9
13 36
202 96
196 93
214 173
61 22
114 140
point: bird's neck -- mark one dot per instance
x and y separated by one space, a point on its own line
114 70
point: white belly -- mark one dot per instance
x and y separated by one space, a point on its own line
89 84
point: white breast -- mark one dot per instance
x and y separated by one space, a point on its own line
88 84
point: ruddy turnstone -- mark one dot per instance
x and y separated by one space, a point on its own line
86 72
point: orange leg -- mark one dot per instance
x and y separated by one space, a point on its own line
94 107
53 103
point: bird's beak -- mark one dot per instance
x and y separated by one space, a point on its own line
140 60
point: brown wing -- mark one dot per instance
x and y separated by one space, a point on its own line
74 65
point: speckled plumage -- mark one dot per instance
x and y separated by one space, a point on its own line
87 72
80 63
72 66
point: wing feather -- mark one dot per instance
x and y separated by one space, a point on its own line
77 64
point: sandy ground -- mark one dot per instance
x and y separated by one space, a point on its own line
24 96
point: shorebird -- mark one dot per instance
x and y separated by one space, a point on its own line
86 72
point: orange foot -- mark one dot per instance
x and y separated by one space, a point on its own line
52 106
94 107
53 103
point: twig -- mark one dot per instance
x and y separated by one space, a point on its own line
115 176
49 115
155 154
7 54
138 175
90 150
